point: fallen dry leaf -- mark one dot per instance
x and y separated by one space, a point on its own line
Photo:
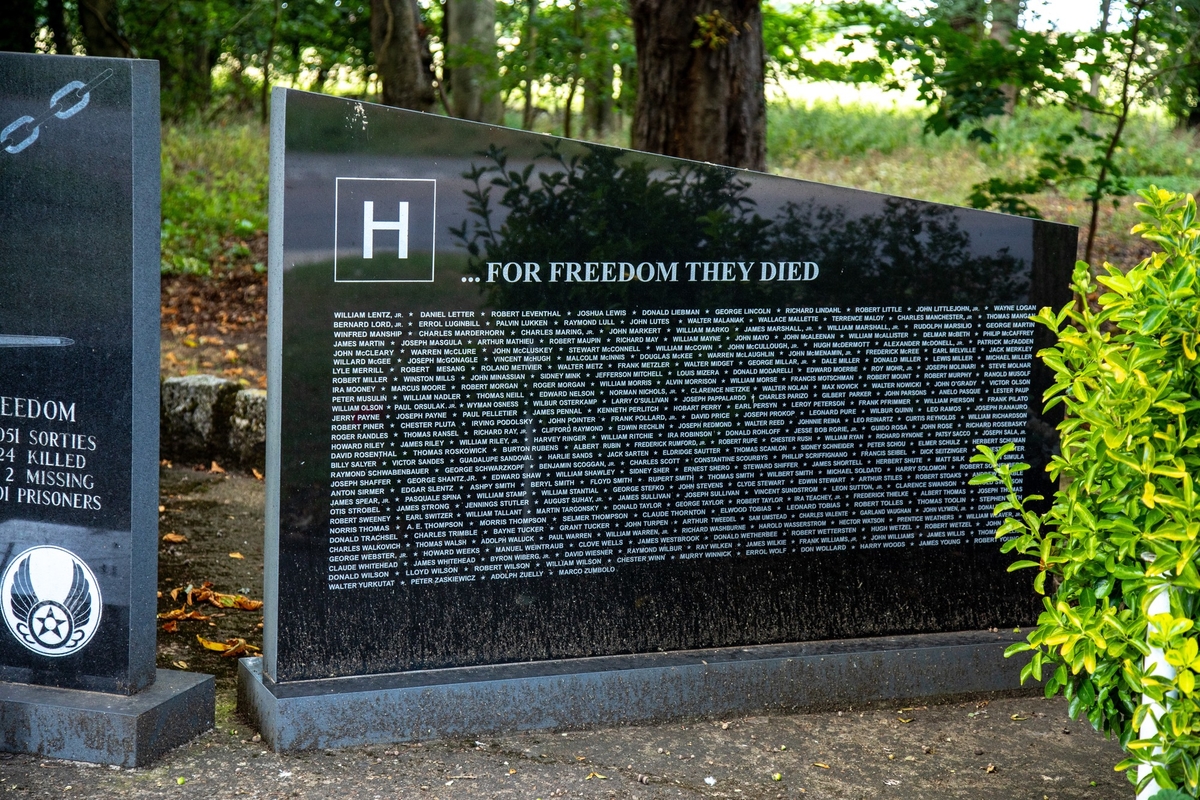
208 644
228 648
236 554
165 463
174 538
512 772
1018 718
216 468
161 509
905 721
990 768
170 627
819 764
174 593
182 613
258 476
591 775
180 664
205 594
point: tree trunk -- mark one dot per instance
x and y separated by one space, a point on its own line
20 25
567 108
598 101
471 57
56 21
700 80
405 82
1105 8
101 29
530 61
268 57
1005 14
964 16
447 70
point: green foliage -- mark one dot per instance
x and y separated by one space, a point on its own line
214 193
791 35
1171 794
1175 28
1125 524
192 38
560 45
970 81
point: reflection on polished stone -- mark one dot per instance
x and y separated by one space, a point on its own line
545 399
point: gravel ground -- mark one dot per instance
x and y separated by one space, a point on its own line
990 747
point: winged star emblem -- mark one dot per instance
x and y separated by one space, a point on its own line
51 625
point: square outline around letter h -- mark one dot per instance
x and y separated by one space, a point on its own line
414 226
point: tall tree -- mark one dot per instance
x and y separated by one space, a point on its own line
101 26
471 60
700 80
395 38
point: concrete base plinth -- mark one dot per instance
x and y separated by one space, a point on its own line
127 730
615 690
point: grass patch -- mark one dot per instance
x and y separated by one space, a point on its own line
885 149
214 193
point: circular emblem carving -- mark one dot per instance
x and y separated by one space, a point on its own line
51 600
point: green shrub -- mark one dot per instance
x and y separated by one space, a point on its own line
214 193
1125 523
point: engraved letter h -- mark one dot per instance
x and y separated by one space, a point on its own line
370 225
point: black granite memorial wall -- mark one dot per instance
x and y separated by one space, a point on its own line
533 398
78 333
79 328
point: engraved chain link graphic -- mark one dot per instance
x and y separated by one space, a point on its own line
64 104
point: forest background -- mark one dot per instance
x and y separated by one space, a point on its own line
958 101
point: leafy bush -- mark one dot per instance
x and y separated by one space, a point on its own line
214 193
1125 524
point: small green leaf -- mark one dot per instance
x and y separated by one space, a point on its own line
1154 316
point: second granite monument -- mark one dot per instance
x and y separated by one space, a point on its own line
551 420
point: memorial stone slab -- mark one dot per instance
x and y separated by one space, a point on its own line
79 332
542 411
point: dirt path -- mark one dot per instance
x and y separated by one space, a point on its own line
1010 748
1001 748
